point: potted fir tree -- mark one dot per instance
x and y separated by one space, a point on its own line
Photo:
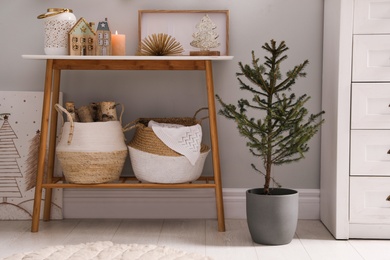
278 136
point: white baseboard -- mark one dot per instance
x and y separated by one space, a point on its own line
157 204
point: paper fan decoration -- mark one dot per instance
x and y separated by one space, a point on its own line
159 45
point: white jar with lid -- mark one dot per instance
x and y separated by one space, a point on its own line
58 22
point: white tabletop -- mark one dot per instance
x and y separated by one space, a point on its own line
68 57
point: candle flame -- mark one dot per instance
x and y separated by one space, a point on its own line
116 32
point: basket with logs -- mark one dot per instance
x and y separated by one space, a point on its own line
91 147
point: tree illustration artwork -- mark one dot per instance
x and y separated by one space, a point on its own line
205 38
9 168
20 120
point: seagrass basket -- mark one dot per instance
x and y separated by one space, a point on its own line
149 167
153 161
91 153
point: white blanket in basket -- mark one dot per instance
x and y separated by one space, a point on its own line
185 140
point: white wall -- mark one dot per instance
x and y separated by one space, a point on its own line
146 94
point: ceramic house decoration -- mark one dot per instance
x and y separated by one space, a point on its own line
103 38
82 39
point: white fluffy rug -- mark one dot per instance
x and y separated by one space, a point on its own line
108 251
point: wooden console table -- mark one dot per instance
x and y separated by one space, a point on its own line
54 65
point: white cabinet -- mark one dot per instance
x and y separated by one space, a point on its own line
370 106
369 153
371 204
371 17
371 58
355 167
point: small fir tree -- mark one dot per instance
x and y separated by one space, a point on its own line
284 128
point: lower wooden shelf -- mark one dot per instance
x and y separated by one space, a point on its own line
132 182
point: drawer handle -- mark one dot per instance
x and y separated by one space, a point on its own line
388 152
388 198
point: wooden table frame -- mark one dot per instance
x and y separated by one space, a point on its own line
54 65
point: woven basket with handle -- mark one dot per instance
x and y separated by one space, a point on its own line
153 161
146 140
91 152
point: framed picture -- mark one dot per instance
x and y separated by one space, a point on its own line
20 123
181 24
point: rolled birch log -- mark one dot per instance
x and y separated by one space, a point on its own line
84 113
69 106
107 111
93 107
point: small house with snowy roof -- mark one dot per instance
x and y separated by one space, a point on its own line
103 38
82 39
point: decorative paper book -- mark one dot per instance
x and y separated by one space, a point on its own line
20 123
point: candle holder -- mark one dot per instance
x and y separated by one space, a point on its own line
58 22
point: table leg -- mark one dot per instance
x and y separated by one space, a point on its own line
214 146
42 146
52 143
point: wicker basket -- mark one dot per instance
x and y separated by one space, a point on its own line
155 168
153 161
91 153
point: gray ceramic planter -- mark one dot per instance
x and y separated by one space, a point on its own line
272 219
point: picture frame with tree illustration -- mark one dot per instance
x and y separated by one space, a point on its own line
20 123
185 27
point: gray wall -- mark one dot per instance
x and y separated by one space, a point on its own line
147 94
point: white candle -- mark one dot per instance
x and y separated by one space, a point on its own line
118 42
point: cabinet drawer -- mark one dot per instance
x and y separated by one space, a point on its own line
371 58
370 106
369 152
368 200
372 17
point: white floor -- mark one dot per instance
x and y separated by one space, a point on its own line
312 240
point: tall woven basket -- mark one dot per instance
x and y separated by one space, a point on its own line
153 161
91 153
